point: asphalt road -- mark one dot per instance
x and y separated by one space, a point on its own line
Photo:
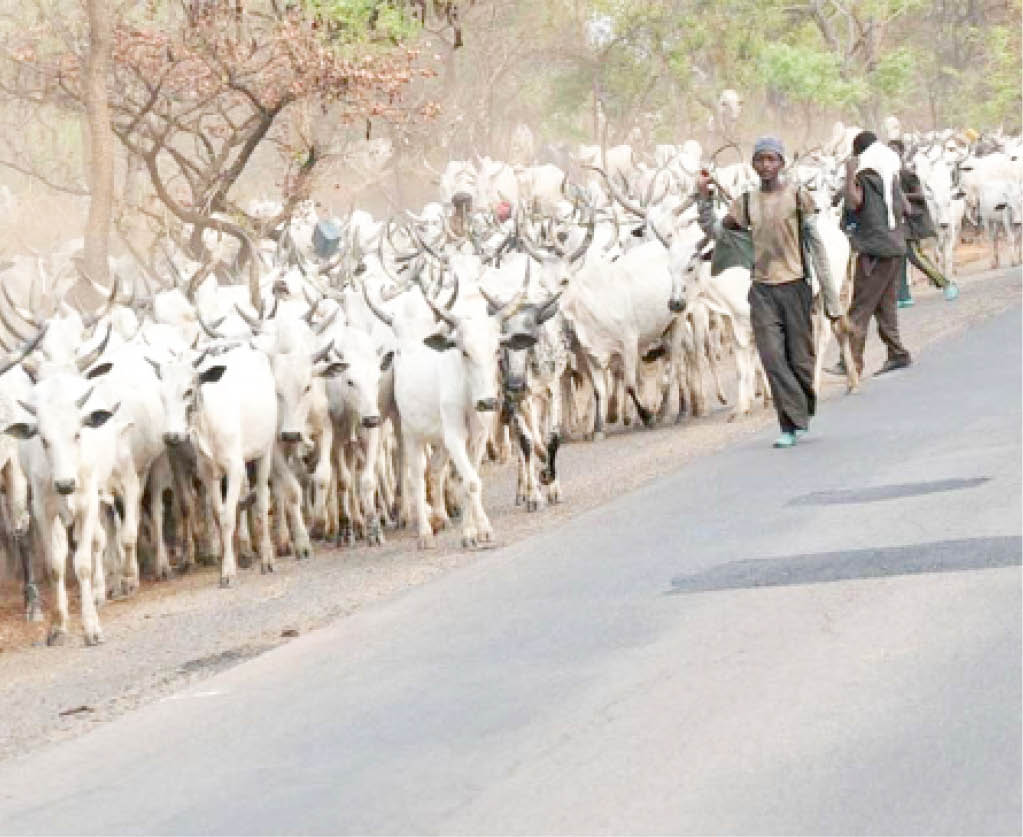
821 640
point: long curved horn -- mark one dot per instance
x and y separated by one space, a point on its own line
324 352
664 241
493 306
91 357
688 202
327 321
24 351
439 313
253 322
528 244
454 291
443 259
3 315
96 316
387 319
548 309
587 241
630 205
313 304
211 330
80 402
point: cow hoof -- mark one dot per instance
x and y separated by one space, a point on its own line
227 581
304 553
129 586
94 637
533 506
469 542
597 436
264 569
164 573
56 637
425 542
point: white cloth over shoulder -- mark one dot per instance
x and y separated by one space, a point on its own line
886 163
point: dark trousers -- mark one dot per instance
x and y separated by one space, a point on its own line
780 315
875 289
921 262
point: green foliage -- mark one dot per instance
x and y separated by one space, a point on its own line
809 76
366 21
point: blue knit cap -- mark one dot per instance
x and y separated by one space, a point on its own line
769 144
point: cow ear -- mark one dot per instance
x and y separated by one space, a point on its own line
97 418
96 371
22 430
332 370
657 351
439 342
385 361
212 375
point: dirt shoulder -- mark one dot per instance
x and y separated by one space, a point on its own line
173 634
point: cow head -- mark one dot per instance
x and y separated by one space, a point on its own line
63 420
181 383
476 339
683 263
358 383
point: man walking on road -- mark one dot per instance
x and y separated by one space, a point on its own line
919 226
781 221
876 205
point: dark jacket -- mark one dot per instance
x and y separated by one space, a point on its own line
919 224
868 231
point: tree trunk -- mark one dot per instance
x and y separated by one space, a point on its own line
101 144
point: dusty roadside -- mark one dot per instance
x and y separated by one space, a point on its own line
176 633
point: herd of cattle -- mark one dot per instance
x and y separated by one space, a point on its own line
362 369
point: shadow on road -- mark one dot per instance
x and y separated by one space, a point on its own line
884 492
819 568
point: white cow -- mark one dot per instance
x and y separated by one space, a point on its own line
444 385
69 449
226 404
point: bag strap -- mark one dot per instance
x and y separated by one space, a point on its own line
745 208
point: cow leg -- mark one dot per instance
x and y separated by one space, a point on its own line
88 564
629 362
321 475
715 371
261 510
159 483
599 382
346 532
415 457
369 440
385 479
17 497
355 467
128 533
227 517
53 534
532 494
436 482
476 528
697 355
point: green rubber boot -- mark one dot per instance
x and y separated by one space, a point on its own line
786 440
